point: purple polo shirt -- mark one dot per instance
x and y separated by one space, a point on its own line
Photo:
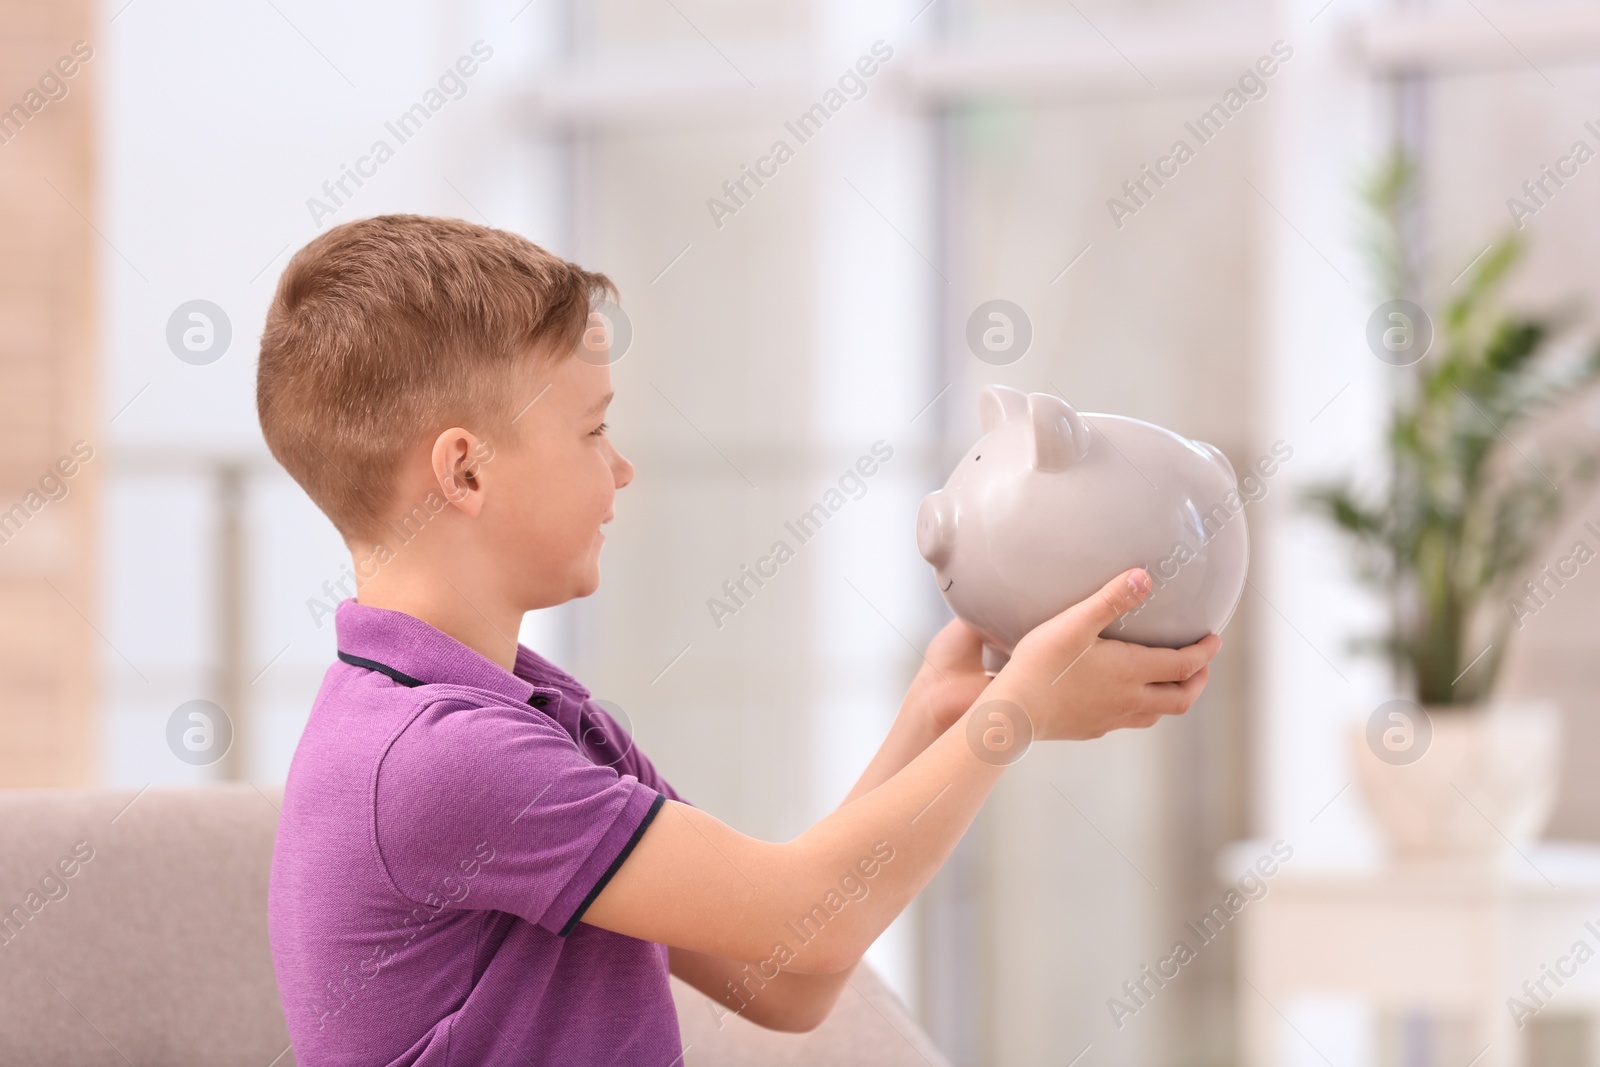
445 824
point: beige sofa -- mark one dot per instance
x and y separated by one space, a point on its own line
154 948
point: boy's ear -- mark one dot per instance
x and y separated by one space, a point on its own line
457 459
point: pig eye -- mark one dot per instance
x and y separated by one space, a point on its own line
976 458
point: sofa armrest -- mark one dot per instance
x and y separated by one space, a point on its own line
869 1027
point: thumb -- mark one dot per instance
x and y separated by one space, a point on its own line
1113 600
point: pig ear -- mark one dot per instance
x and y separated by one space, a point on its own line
1000 403
1060 434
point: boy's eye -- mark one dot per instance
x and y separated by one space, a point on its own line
600 430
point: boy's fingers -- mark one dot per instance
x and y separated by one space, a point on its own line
1113 600
1176 664
1175 698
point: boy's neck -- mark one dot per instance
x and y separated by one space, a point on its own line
474 617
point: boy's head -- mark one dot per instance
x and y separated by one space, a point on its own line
402 353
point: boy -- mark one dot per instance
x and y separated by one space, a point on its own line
473 864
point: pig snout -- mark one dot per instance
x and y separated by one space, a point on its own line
936 528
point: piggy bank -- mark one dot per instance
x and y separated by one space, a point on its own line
1052 503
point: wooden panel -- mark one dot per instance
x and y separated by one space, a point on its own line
48 252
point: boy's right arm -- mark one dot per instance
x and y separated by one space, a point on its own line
696 883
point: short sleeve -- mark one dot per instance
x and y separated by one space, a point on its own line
497 808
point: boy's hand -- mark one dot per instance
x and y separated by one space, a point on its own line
1074 684
951 677
696 883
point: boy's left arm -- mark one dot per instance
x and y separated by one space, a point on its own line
946 685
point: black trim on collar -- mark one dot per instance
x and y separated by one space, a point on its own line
382 668
537 700
616 864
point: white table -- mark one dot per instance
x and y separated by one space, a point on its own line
1452 941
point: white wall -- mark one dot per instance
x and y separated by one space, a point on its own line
219 123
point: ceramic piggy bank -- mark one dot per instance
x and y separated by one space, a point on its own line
1052 503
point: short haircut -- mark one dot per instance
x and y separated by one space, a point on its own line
387 330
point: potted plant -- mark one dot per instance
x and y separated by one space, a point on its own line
1450 541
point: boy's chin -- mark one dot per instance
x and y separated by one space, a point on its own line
590 580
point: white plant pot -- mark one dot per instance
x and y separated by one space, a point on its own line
1483 787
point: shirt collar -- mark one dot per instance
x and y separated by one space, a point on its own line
414 650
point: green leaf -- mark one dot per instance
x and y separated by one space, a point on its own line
1470 503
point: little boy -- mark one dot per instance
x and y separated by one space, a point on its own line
474 865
